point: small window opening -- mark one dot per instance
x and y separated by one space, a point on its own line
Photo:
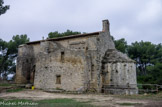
128 85
48 50
86 48
27 60
62 56
98 39
58 79
45 67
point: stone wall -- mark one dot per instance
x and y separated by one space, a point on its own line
77 63
25 68
104 43
25 61
70 68
74 66
118 73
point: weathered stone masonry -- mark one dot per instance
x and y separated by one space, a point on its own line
77 63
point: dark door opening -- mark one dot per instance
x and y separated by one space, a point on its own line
32 75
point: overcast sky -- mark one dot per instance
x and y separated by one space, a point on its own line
134 20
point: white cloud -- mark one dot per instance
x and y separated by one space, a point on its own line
123 31
151 12
133 20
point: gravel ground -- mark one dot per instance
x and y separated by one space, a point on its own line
95 99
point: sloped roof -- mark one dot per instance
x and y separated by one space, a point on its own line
112 55
65 37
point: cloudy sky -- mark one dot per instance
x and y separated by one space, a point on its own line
134 20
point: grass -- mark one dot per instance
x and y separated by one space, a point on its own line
5 84
14 90
15 103
142 96
64 103
10 87
129 104
46 103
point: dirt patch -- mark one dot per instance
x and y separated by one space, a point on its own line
98 100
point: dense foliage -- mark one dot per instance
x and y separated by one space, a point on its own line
8 54
121 45
57 34
3 9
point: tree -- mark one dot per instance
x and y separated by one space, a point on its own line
15 42
148 59
121 45
57 34
158 54
155 73
3 53
8 54
3 9
143 53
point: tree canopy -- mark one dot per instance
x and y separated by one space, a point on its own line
57 34
3 8
8 54
121 45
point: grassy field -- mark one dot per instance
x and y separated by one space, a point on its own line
129 104
157 96
64 101
43 103
6 84
7 87
14 90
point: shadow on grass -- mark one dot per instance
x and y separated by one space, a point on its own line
45 103
6 84
15 90
142 96
129 104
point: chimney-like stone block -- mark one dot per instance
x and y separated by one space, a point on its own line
106 25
